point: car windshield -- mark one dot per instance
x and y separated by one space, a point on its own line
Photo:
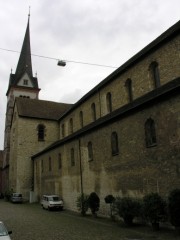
3 231
17 195
54 198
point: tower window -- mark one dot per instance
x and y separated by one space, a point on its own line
25 82
150 133
71 125
41 132
81 118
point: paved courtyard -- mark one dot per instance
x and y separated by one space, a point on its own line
31 222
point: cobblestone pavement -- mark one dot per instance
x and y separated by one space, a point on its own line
31 222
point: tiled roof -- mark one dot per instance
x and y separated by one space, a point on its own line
35 108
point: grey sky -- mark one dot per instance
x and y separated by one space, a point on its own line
94 31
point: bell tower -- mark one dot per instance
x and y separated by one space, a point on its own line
21 84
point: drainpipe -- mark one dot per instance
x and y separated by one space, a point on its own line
81 179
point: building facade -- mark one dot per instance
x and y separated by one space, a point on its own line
121 138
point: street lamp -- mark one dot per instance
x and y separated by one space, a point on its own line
61 63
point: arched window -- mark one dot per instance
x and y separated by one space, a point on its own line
72 157
128 85
71 125
93 111
114 143
109 102
41 132
150 133
63 130
90 151
81 118
154 71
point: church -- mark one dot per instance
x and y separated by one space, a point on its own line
121 138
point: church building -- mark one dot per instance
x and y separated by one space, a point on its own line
121 138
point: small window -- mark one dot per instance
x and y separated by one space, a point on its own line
90 151
114 144
41 132
128 85
50 166
154 70
93 111
150 133
25 82
72 157
59 161
81 118
109 102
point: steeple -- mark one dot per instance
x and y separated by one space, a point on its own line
24 69
24 63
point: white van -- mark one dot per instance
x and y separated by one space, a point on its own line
52 202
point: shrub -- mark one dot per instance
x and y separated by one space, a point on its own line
128 208
94 203
82 203
155 209
174 207
109 199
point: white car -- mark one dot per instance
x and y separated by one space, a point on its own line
52 202
4 233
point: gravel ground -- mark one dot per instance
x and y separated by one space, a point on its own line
31 222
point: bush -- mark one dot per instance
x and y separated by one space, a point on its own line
128 208
82 203
155 209
94 203
174 207
109 199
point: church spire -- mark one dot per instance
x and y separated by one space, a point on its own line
24 63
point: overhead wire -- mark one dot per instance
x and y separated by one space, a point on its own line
70 61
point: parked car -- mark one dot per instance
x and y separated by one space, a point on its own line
4 233
16 198
52 202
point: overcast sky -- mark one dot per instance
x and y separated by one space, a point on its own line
105 32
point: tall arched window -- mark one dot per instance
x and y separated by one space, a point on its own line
109 102
114 143
63 130
128 85
93 111
90 151
71 125
72 157
150 133
81 118
154 71
41 132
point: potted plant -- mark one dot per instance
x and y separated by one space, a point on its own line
94 203
128 208
82 203
154 209
174 208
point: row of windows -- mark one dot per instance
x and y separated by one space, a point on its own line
154 72
150 138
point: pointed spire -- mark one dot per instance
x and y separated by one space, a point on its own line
24 63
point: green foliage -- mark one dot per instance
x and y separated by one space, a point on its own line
154 208
109 199
174 207
128 208
94 203
82 203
